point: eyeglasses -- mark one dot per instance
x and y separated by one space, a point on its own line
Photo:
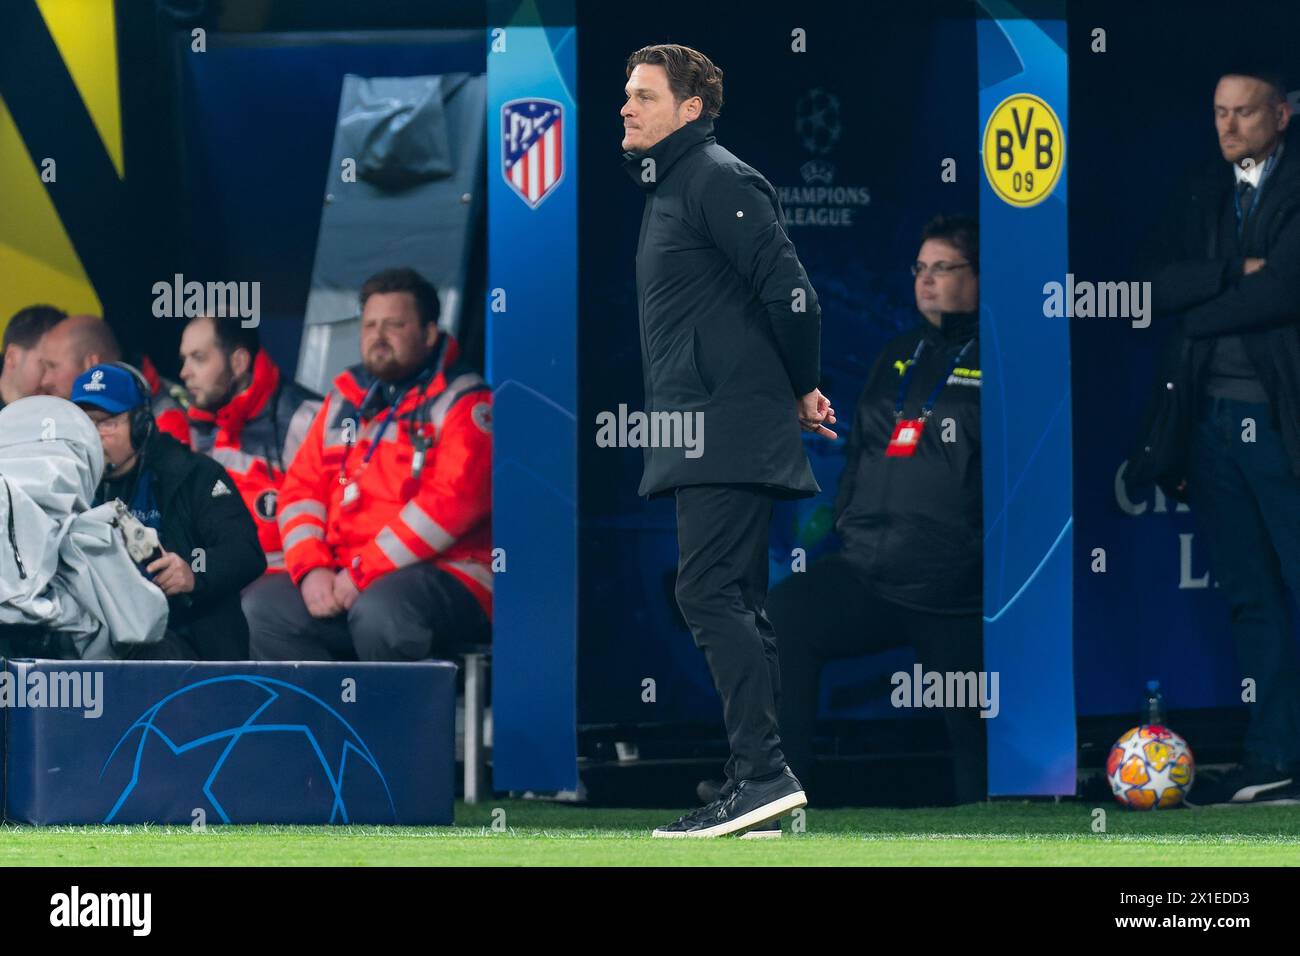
937 268
112 423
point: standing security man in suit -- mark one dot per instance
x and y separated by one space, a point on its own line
731 343
1223 429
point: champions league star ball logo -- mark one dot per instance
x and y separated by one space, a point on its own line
817 121
819 200
227 744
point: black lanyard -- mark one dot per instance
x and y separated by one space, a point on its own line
906 379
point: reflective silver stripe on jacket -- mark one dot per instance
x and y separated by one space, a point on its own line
300 534
428 530
233 459
336 432
392 433
308 506
394 549
475 569
299 425
335 405
461 384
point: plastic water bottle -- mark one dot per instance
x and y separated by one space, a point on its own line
1153 704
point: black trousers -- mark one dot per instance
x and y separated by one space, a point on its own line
412 614
827 612
722 541
1247 501
173 647
31 641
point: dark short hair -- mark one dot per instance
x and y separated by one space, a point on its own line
961 232
229 333
1274 77
404 280
28 325
690 73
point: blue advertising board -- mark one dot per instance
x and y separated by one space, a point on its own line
186 743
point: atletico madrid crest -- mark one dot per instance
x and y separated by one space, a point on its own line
532 148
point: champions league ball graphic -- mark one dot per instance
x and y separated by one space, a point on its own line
1150 768
817 121
242 748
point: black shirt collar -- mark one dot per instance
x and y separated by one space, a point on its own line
955 327
667 151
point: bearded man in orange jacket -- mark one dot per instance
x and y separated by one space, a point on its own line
244 413
385 514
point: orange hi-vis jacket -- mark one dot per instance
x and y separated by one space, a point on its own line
378 486
255 436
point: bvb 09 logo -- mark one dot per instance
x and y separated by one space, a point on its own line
1024 150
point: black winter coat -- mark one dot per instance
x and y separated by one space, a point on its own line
730 325
1195 274
913 525
198 513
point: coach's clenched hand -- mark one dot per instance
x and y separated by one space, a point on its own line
815 413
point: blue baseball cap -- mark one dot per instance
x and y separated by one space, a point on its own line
109 387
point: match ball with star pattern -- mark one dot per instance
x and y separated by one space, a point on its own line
1150 768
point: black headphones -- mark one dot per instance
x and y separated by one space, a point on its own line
142 415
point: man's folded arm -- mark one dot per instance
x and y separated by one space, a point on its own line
1268 297
1179 277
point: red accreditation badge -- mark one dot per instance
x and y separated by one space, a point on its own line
907 432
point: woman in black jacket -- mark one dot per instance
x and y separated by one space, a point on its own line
909 513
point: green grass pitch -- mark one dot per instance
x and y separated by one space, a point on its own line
526 832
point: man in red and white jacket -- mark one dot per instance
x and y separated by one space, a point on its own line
246 415
385 514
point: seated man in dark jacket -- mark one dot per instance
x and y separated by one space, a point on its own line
209 546
909 516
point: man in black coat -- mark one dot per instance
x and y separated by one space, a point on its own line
1223 429
730 350
209 542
